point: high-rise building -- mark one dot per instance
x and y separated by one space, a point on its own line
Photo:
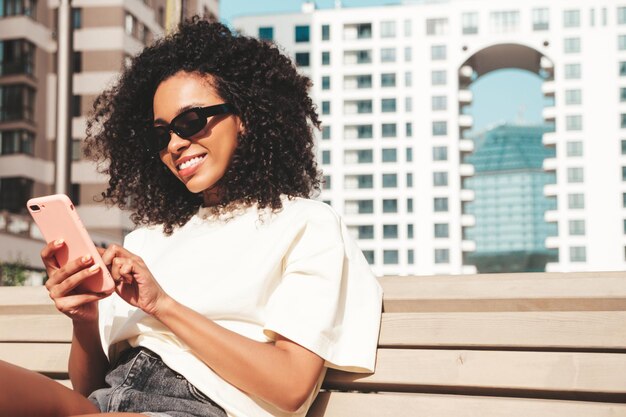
509 206
105 34
392 86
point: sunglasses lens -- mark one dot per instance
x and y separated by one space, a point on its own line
189 123
161 137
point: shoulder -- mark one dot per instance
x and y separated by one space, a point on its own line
311 220
310 210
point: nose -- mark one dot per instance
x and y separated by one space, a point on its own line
176 143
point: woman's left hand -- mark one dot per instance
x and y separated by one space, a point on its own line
133 280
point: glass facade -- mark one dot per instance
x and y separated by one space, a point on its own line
509 204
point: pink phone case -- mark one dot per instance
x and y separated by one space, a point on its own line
57 219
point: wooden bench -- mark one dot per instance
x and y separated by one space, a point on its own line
483 345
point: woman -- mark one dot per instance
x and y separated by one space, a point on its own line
238 291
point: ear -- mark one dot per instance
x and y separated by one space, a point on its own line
242 128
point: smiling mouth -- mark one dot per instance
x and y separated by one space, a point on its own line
191 162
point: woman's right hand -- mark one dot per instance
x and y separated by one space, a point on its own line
62 282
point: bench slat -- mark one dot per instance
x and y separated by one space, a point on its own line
54 327
472 371
572 330
343 404
575 291
46 358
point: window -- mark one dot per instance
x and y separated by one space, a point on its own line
325 157
18 8
438 77
575 175
388 105
438 52
407 28
574 96
363 156
363 56
621 42
622 68
390 257
408 104
326 132
388 55
574 122
409 180
572 45
623 121
410 256
577 227
571 18
436 26
357 31
469 22
326 82
77 61
440 153
390 231
365 131
439 103
366 206
359 181
575 148
623 173
77 18
76 106
351 82
390 180
504 21
440 128
325 107
409 154
442 256
621 15
390 155
541 19
408 54
325 32
388 29
622 94
302 33
369 256
17 102
17 57
388 130
302 59
440 179
623 146
387 80
577 254
408 129
326 182
409 205
390 206
76 150
14 192
408 79
266 33
357 107
572 71
440 204
409 231
17 141
442 230
576 201
365 232
623 200
325 58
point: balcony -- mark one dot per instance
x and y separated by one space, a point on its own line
468 220
549 139
552 242
550 190
466 145
551 216
465 97
549 114
468 246
548 88
550 164
466 170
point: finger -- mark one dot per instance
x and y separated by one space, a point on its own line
100 250
116 266
47 253
72 302
65 287
68 270
114 251
126 272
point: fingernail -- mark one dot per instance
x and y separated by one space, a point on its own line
86 258
58 242
93 268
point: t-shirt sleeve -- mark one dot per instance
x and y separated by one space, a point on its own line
328 300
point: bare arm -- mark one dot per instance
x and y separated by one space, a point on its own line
87 363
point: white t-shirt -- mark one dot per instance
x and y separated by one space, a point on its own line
297 273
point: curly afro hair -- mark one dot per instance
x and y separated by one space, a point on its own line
274 154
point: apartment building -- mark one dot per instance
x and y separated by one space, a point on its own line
392 85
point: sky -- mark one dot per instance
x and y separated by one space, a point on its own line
507 95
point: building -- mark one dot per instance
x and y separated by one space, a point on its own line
392 84
510 231
106 34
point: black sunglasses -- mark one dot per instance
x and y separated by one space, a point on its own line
186 124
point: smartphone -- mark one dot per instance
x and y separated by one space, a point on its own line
57 218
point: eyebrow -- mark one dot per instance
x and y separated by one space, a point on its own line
179 111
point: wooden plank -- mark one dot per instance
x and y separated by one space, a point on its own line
47 358
574 330
537 374
54 327
575 291
25 300
344 404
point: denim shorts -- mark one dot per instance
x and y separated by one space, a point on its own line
140 382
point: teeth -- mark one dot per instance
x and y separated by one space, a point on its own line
191 162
